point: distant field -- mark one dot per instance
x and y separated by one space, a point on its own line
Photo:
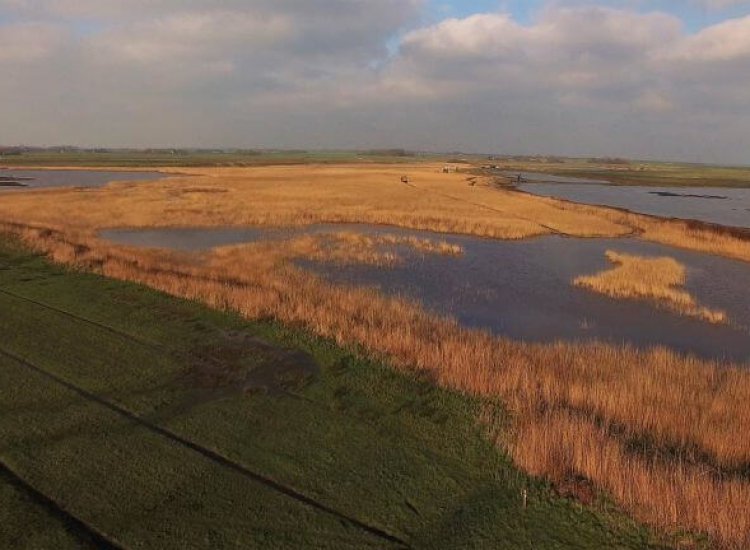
156 159
641 173
619 173
120 429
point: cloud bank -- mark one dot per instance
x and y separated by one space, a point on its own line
585 80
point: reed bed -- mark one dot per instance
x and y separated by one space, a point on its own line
304 195
576 408
560 445
689 235
309 194
342 248
654 279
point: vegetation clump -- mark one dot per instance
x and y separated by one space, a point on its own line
654 279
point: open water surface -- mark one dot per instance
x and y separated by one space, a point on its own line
719 205
522 289
17 180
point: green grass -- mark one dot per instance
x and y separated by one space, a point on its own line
25 522
385 449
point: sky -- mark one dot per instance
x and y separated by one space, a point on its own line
664 79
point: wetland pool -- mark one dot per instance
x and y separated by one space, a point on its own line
522 289
20 180
719 205
542 177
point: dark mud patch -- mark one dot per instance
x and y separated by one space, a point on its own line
687 195
205 190
248 364
238 365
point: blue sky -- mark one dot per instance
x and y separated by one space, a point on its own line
695 14
522 11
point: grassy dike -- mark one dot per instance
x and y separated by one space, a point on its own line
111 436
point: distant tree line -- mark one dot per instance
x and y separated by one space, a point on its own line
23 149
608 160
390 153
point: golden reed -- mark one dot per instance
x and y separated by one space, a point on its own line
658 280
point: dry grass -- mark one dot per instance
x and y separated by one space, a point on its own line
678 233
371 193
577 407
342 247
654 279
302 195
562 447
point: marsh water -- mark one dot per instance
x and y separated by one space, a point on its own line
522 289
189 239
37 179
721 205
541 177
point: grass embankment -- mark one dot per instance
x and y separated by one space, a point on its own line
110 380
28 521
655 429
654 279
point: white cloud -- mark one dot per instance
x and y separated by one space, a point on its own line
727 41
585 50
30 42
304 74
722 4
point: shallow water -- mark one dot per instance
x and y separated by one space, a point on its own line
540 177
39 179
725 206
187 239
522 289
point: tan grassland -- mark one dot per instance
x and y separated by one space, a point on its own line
654 279
660 432
368 193
301 195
